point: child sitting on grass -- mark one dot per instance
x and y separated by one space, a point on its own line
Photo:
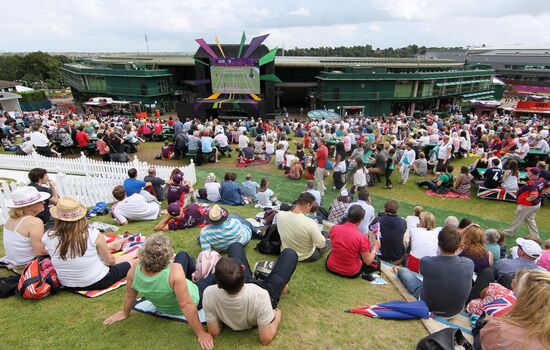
266 197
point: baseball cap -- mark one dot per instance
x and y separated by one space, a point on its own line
534 171
529 247
174 209
344 193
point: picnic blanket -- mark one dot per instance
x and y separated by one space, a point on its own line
145 306
433 324
254 163
447 195
131 246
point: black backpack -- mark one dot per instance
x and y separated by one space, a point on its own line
445 339
271 242
8 286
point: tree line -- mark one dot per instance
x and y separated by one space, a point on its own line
31 68
359 51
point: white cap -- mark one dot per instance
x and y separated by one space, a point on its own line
529 247
344 193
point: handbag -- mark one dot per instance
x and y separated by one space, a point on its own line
328 165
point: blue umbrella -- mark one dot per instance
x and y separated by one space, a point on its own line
395 310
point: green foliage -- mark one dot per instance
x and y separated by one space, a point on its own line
33 67
32 96
357 51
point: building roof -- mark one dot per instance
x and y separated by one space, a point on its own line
292 61
7 84
4 96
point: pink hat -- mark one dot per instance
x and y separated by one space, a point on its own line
544 260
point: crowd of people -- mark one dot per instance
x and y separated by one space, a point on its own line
461 263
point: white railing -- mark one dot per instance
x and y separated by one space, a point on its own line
89 167
88 180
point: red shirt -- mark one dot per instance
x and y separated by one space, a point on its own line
347 245
82 139
322 156
532 188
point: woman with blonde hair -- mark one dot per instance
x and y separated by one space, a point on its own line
423 240
23 231
79 254
527 325
167 285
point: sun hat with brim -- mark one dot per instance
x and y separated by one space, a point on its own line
25 196
68 209
216 215
529 247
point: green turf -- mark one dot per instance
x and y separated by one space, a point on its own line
313 311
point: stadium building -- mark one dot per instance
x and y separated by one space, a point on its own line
374 86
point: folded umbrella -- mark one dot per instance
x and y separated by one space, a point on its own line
395 310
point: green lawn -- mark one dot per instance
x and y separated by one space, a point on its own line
313 311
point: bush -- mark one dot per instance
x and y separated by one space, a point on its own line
32 96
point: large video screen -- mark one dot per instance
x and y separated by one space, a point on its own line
235 76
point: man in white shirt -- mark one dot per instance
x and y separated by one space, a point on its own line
222 143
364 201
40 141
310 188
520 153
133 208
243 140
241 301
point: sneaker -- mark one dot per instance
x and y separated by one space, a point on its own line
367 276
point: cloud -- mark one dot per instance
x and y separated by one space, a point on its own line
300 11
375 28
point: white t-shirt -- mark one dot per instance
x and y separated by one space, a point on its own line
424 242
264 198
81 271
444 150
135 208
269 148
280 156
543 146
412 222
222 140
285 144
249 308
38 139
243 141
212 191
360 177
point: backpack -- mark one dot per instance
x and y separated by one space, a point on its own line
8 286
271 242
38 279
445 339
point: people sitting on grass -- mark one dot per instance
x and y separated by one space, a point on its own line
310 188
301 233
249 189
392 233
338 207
178 190
363 199
225 229
414 220
23 230
240 301
528 252
132 184
132 208
493 175
167 284
179 217
351 252
463 182
423 240
40 180
80 254
230 192
446 278
473 247
442 183
492 237
526 326
266 197
510 177
156 182
211 188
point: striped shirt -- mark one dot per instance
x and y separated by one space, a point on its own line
220 237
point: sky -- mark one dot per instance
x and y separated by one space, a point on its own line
172 25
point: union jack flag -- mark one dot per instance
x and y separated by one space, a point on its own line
501 306
496 193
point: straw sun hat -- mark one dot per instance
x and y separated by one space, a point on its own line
68 209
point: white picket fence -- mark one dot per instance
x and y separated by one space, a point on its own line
89 167
88 180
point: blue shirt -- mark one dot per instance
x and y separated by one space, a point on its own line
231 193
206 142
132 186
220 237
250 189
